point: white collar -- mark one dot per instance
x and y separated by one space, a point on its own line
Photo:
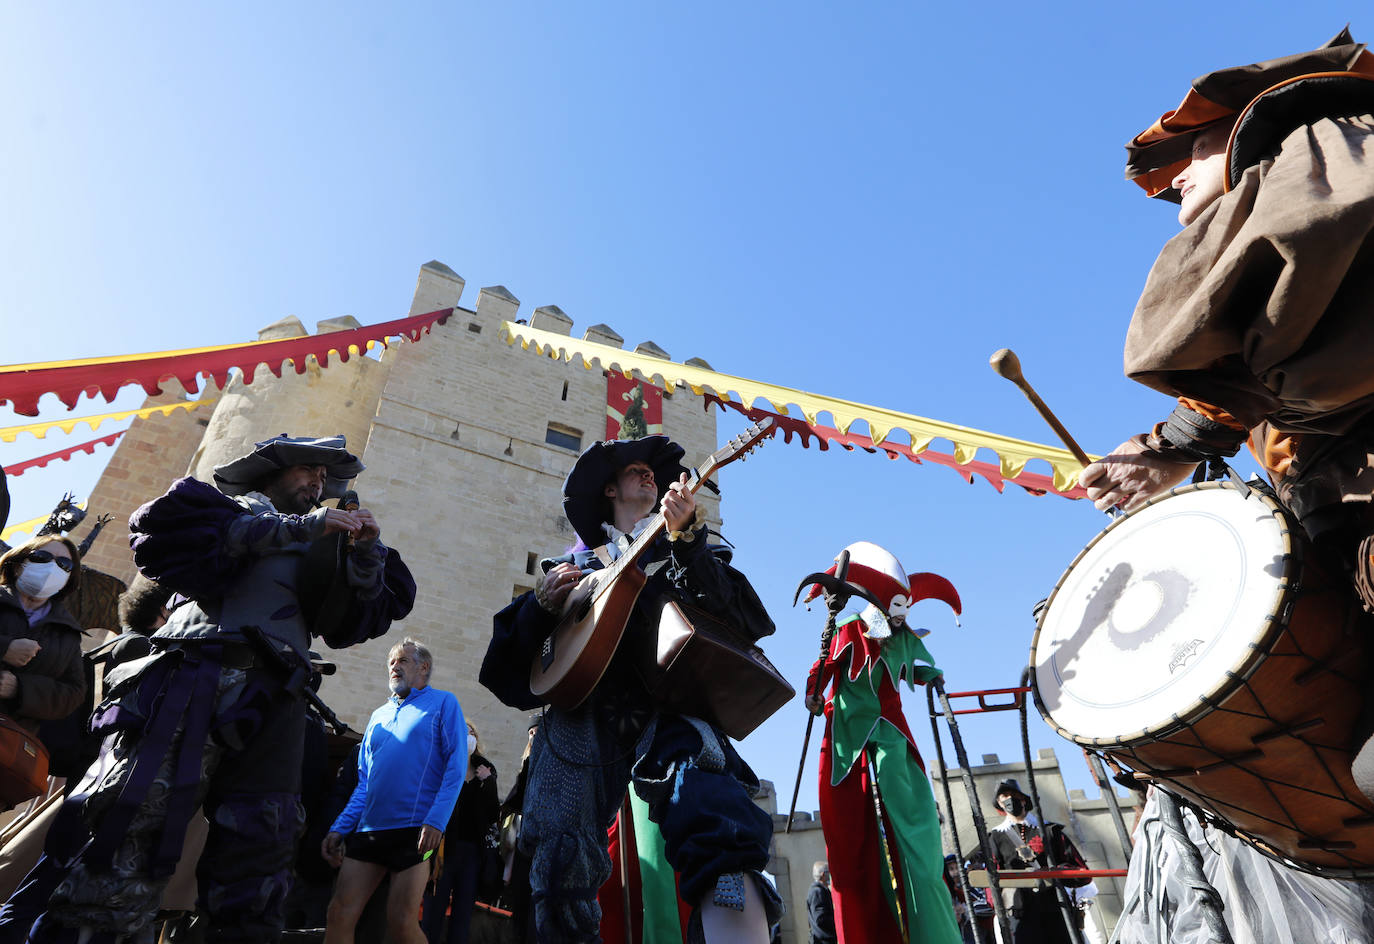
619 540
1032 821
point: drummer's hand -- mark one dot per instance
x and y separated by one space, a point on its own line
815 704
1131 476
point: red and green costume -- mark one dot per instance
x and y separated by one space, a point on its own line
867 739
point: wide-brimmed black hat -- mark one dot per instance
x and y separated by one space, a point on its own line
1012 787
584 499
247 473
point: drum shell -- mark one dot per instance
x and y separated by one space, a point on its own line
1268 749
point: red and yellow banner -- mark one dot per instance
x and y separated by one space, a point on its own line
19 468
41 430
1012 454
22 384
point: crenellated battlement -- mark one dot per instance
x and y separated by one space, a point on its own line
467 441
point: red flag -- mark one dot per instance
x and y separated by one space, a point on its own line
634 408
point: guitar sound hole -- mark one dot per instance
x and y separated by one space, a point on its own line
584 608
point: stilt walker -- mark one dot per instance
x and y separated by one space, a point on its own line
882 830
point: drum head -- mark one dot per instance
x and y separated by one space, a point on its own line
1160 613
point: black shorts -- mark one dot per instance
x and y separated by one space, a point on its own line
394 849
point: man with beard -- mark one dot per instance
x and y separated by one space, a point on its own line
214 716
410 769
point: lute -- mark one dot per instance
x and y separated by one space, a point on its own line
596 612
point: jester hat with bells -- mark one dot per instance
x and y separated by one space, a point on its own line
878 577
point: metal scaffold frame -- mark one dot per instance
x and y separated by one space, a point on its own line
936 689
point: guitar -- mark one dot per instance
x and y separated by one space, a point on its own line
595 614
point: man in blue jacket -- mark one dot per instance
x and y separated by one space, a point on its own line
410 769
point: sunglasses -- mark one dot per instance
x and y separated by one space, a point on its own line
41 556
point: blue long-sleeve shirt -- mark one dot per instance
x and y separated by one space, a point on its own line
411 766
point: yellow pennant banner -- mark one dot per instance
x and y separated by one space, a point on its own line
40 430
1012 454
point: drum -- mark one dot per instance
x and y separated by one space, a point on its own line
1197 641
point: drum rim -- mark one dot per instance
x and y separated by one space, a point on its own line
1240 671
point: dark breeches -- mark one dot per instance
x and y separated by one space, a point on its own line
186 733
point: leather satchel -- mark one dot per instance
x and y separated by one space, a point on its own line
23 764
696 664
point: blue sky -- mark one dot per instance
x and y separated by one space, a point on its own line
862 199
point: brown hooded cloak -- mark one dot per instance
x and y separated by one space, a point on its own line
1259 315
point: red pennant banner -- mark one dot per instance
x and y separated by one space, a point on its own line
21 385
19 468
790 426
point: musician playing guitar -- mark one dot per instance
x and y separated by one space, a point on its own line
697 787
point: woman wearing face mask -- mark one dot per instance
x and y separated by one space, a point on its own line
459 869
40 643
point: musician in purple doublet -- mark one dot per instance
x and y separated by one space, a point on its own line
214 715
698 789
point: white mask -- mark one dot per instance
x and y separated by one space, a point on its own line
472 744
40 581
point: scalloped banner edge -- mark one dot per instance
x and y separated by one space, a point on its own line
9 434
1013 454
22 385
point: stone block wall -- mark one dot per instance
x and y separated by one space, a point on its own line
453 432
154 452
1089 821
341 398
465 484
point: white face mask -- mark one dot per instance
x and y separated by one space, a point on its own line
472 744
40 581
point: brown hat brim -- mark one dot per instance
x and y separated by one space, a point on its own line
1159 153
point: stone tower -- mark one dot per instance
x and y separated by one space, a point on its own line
466 457
466 440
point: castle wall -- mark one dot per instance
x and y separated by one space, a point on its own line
319 402
464 484
452 430
153 452
1089 821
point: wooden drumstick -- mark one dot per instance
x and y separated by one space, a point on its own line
1006 363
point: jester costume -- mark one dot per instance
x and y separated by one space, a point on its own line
868 744
867 739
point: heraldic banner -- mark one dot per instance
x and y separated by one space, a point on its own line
634 408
